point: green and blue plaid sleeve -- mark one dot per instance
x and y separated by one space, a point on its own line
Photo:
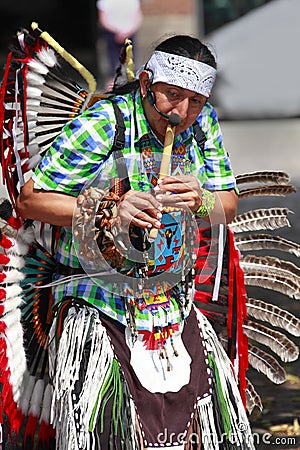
77 153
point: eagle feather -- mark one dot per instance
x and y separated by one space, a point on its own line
264 241
275 340
266 364
274 189
263 176
261 219
267 312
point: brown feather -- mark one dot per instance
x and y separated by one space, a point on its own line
271 264
266 364
274 189
261 219
276 341
264 241
264 176
252 398
271 281
276 316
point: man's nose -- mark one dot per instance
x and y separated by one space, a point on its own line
182 108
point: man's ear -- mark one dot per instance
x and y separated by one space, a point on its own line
144 82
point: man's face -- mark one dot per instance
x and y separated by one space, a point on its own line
172 99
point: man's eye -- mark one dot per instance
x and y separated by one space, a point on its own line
173 95
197 101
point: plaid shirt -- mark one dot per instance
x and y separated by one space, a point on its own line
79 155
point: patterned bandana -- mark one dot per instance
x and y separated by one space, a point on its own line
181 71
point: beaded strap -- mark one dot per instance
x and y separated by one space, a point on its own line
208 200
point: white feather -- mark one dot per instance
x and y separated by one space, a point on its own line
36 398
19 248
31 124
46 408
12 304
26 392
38 67
20 138
13 290
33 161
33 149
47 57
30 114
33 92
16 262
26 235
13 276
32 102
12 318
34 79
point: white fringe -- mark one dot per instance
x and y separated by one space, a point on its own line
209 435
241 432
64 372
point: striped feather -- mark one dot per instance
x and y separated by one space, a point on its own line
266 364
252 398
276 316
274 189
271 281
264 241
270 264
261 219
276 341
264 176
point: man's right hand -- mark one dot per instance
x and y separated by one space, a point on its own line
140 209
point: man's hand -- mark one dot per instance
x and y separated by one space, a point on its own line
140 209
182 191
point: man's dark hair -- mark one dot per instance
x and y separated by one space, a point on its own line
189 47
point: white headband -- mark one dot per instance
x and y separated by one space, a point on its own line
181 71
